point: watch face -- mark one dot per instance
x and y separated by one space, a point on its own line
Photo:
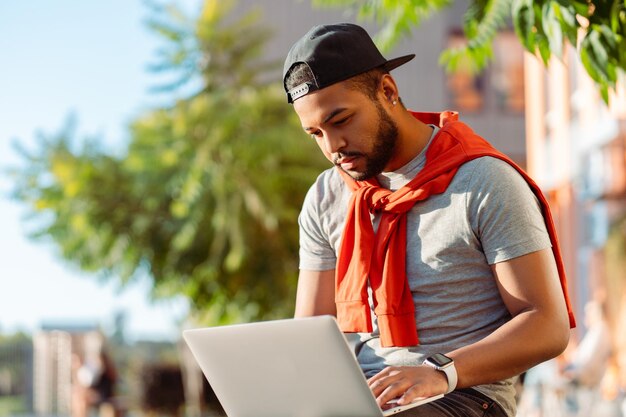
440 359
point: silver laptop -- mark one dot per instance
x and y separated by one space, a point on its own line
285 368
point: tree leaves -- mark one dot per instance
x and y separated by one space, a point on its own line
397 18
597 29
594 53
481 24
204 200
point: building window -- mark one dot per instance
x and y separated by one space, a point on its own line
465 90
508 72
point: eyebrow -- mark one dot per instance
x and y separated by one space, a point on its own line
330 116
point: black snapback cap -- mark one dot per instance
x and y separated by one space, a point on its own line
335 53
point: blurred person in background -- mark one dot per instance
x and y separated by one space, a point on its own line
587 364
94 379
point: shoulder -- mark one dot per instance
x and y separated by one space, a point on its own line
489 166
321 221
503 210
327 188
490 174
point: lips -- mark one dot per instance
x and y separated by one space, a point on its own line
347 162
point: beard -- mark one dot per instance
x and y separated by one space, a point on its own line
384 145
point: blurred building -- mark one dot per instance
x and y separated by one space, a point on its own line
54 347
576 150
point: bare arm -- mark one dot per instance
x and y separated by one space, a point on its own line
316 293
539 330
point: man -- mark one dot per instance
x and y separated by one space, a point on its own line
428 245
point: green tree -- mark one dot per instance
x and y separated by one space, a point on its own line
204 200
597 29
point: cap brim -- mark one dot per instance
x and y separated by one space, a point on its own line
396 62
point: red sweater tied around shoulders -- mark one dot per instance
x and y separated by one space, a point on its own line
381 256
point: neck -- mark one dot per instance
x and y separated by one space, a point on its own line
413 136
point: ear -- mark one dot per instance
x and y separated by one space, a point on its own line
389 87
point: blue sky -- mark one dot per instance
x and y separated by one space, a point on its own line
57 58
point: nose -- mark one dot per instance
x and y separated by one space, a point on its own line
333 143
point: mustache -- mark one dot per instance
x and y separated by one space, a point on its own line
345 154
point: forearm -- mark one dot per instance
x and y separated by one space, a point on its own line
538 330
531 337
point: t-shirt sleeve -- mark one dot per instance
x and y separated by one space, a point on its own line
504 212
316 252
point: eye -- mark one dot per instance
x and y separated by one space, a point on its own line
341 121
316 134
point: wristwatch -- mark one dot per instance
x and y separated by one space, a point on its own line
442 363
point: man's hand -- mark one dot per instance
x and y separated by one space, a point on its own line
407 383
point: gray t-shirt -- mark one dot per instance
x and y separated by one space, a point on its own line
487 215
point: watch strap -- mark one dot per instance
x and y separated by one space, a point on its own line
449 370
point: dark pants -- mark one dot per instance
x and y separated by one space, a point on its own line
459 403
